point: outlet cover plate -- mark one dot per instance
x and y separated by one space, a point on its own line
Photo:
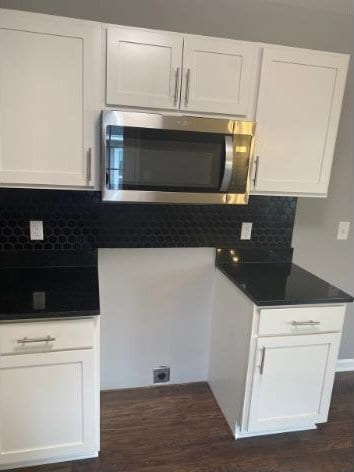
38 300
36 230
246 231
343 230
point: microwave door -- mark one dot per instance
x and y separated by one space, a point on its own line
164 160
229 163
175 160
237 162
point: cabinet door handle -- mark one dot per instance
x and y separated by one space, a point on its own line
186 98
89 164
305 323
25 340
176 87
256 164
261 367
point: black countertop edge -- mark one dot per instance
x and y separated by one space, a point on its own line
318 301
285 284
48 315
259 255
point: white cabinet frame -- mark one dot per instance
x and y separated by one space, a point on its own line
83 362
50 392
300 127
319 380
219 76
32 127
144 68
246 365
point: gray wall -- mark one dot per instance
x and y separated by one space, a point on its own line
315 242
254 20
162 317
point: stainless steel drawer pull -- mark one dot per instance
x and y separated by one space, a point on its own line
188 76
256 164
89 165
176 87
261 367
25 340
305 323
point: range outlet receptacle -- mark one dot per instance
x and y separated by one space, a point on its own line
161 374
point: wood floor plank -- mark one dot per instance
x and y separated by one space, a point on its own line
181 429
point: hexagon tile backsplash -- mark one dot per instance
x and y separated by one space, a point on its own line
76 220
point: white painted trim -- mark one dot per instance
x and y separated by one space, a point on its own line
243 434
345 365
51 460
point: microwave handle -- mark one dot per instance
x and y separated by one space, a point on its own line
229 163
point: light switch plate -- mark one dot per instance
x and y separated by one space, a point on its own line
343 230
36 231
246 230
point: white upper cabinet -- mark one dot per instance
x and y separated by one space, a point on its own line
51 94
171 71
219 76
49 73
144 68
298 111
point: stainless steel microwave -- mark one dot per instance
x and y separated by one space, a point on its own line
175 159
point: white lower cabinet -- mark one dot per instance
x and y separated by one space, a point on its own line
272 383
292 381
48 401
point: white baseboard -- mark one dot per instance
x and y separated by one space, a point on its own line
240 435
345 365
52 460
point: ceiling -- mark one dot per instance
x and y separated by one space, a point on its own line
344 7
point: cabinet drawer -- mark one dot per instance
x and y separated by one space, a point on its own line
300 320
44 336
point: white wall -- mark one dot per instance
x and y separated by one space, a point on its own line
155 310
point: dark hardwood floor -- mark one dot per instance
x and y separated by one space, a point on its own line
181 429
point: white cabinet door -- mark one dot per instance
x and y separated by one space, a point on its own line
47 406
143 68
298 111
48 84
219 76
292 381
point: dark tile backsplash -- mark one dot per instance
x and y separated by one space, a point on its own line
76 220
68 219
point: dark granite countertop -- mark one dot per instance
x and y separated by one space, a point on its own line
47 290
280 283
54 285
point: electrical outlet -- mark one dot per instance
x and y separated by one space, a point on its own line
343 230
161 374
246 231
38 300
36 231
